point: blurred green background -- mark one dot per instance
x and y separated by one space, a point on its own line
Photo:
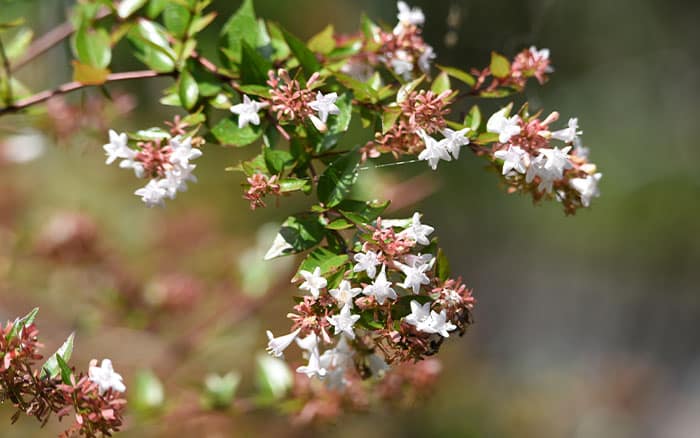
586 326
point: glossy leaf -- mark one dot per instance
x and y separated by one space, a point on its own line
93 47
176 19
441 83
323 42
127 7
500 66
327 260
458 74
337 180
301 232
188 90
228 133
306 57
254 66
51 367
89 75
20 323
242 26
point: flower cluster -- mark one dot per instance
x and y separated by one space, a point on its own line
529 63
165 161
532 164
94 400
392 305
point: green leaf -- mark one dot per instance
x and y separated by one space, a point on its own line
188 90
441 83
363 92
228 133
327 260
256 90
458 74
19 43
442 266
337 180
367 320
89 75
254 66
294 185
200 23
306 57
500 66
301 232
148 393
51 367
155 7
93 47
337 125
473 119
242 26
362 212
21 323
323 42
389 117
407 88
276 160
176 19
150 134
151 46
128 7
64 369
277 42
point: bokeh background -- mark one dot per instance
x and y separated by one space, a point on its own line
586 326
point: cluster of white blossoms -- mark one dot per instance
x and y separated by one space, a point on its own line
105 377
525 148
167 166
387 267
444 149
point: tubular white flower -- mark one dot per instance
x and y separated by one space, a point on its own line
454 140
344 294
117 147
514 158
276 346
366 262
152 193
344 322
381 288
587 187
568 134
325 105
417 231
434 150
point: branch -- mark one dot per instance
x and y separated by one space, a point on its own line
73 86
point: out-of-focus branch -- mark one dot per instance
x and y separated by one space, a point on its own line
73 86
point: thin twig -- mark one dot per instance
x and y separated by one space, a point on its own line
50 39
73 86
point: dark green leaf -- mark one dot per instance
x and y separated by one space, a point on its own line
306 57
155 7
256 90
65 370
254 66
327 260
363 92
228 133
442 265
151 46
294 185
337 180
362 212
301 232
276 160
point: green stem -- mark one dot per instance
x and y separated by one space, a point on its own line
8 75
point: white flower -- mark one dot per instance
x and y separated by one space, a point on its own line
514 158
569 134
314 368
425 58
587 187
276 346
557 160
152 194
504 126
580 150
248 111
344 322
420 317
313 282
176 180
344 294
105 377
537 169
336 361
279 247
381 288
402 64
539 54
183 152
415 274
408 16
132 163
366 262
117 147
417 231
440 324
325 105
454 140
434 150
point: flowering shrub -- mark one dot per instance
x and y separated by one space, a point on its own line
377 295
